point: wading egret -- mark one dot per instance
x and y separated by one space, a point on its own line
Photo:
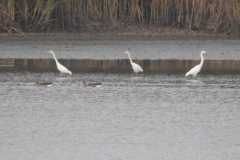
60 67
136 67
43 84
94 84
195 70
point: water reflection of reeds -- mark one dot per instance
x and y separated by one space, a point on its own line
118 65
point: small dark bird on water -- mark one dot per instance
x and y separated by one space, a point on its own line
43 84
93 84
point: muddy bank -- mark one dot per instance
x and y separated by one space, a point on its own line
122 31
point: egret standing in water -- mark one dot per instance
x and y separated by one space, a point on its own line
195 70
136 67
60 67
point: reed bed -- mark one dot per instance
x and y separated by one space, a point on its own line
216 16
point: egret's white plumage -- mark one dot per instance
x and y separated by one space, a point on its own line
60 67
136 67
195 70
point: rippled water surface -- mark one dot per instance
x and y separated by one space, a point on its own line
149 116
147 47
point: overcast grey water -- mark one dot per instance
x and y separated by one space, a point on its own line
149 116
145 117
112 47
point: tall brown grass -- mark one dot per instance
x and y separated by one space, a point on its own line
217 16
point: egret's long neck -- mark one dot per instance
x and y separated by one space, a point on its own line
130 58
202 59
54 57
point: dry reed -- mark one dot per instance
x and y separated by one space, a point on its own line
217 16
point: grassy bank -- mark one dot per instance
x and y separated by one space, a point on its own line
215 16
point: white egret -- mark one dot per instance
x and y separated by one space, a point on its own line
60 67
43 84
94 84
136 67
195 70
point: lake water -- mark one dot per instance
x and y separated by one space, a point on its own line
100 47
151 116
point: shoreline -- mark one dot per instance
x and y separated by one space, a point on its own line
108 32
110 43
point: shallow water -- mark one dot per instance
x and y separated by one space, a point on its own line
149 116
119 65
107 47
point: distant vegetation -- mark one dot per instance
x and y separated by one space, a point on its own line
216 16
